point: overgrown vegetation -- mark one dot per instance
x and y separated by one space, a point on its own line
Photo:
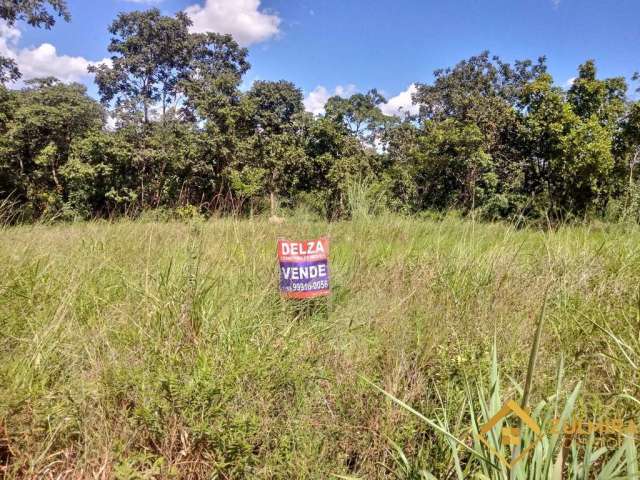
141 349
570 446
157 346
502 140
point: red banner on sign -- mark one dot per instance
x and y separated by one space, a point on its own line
304 268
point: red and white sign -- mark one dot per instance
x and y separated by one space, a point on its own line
304 268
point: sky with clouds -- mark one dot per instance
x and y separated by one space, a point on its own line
338 47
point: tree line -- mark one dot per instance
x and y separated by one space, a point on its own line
174 129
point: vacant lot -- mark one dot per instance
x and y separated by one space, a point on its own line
142 349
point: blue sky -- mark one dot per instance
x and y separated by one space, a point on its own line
329 46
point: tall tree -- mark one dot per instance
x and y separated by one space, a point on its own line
150 54
9 71
48 117
210 83
274 105
630 139
569 158
478 96
478 89
605 99
213 99
360 114
275 147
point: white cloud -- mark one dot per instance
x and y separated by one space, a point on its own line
9 37
401 104
241 18
569 82
43 60
315 101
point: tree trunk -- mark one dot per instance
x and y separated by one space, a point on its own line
633 163
164 108
55 176
272 197
145 101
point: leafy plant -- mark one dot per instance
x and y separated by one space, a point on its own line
553 455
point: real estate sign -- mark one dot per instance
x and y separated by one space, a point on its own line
304 268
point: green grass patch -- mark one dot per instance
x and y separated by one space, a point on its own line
148 350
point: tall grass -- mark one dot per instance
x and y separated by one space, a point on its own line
8 211
364 200
156 349
553 454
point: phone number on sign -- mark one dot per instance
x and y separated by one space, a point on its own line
305 287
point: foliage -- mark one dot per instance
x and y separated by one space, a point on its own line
554 454
150 52
359 114
45 119
8 70
38 13
492 139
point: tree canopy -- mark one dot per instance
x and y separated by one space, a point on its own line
37 13
499 139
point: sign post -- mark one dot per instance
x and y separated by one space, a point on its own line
304 268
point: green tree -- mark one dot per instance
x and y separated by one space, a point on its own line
582 174
403 172
9 71
360 114
481 90
548 117
212 78
98 177
274 105
213 100
37 13
48 117
603 99
150 54
569 158
193 80
478 97
630 139
274 148
451 168
112 172
9 179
